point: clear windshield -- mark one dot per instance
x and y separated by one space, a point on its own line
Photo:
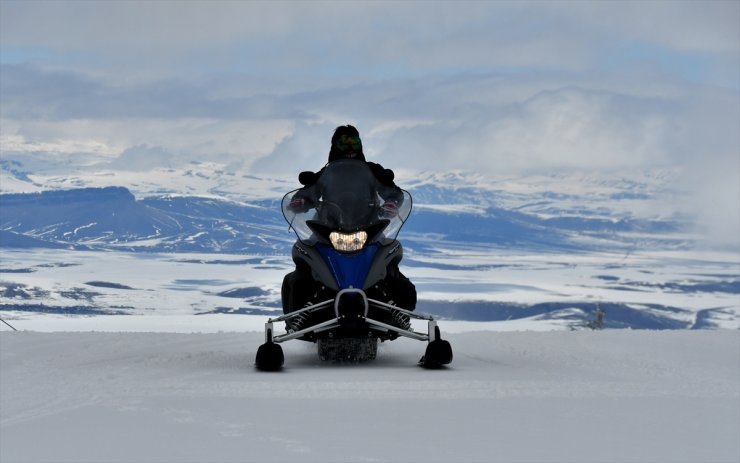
347 198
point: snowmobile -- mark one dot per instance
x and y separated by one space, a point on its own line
347 244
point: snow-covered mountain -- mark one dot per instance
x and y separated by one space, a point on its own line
113 218
108 218
546 247
205 209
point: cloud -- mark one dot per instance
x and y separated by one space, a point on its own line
305 148
707 148
18 144
581 128
457 125
714 201
359 39
706 27
30 93
485 86
143 158
485 122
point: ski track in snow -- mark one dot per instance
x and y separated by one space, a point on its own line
614 395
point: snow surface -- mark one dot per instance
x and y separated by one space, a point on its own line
595 396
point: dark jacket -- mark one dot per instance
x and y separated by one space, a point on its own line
384 176
384 186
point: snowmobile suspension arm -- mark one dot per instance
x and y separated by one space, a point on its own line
411 314
323 326
401 332
310 308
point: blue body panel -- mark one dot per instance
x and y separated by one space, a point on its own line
349 270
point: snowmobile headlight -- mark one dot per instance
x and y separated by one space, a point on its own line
348 242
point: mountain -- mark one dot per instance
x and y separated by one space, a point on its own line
549 248
14 240
112 218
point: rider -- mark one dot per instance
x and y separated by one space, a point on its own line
346 144
299 288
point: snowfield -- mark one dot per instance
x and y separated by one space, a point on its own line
591 396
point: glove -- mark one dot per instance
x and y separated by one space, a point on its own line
308 178
389 209
297 205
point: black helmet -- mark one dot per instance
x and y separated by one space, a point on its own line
346 144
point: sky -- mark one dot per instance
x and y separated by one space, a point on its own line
491 87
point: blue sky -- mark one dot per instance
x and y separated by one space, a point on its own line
512 87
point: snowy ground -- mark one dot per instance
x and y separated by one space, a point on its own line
88 282
125 357
613 395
